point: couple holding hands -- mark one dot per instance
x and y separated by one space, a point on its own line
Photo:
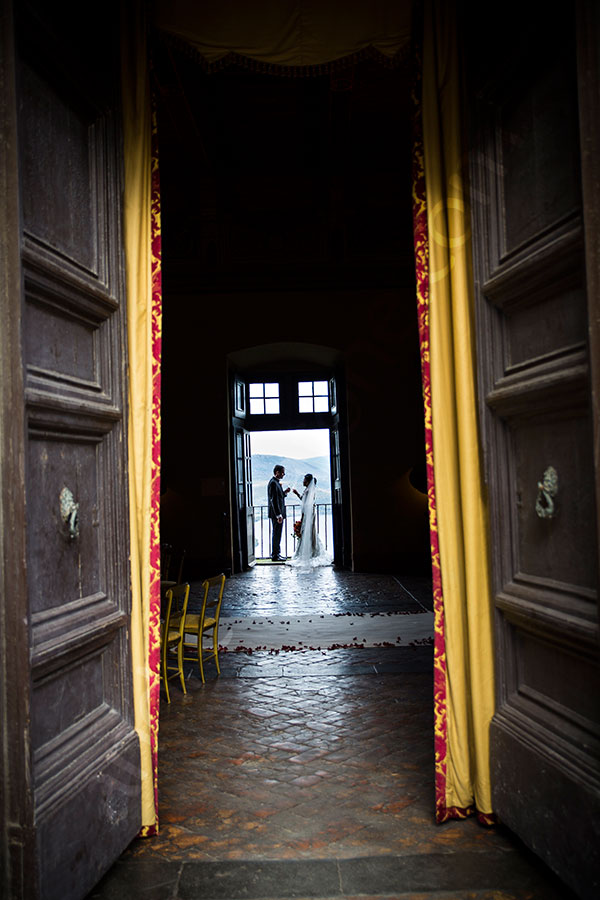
310 550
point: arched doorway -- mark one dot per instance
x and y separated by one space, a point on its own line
281 387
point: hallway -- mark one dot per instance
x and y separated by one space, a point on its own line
310 773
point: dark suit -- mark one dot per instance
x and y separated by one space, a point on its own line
276 499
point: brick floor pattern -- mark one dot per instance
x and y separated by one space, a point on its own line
310 774
286 768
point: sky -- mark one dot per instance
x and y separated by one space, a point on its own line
294 444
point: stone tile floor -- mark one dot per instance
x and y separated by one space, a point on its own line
278 589
310 774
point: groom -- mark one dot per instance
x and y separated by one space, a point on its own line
276 497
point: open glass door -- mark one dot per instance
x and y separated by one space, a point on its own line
243 508
243 470
336 495
342 555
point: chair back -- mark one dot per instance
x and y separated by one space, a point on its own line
176 603
171 563
172 636
213 597
166 554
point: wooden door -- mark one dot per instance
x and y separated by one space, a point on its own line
336 495
535 315
242 501
243 509
342 547
71 781
246 468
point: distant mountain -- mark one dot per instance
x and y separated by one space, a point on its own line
295 470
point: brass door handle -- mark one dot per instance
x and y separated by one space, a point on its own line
69 512
547 490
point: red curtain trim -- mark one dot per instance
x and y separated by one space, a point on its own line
445 814
154 612
421 250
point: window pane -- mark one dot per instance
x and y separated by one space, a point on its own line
321 404
257 407
240 396
256 390
305 389
272 390
272 406
321 388
305 404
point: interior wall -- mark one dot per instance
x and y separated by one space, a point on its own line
376 334
287 217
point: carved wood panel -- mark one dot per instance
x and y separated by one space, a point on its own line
534 377
81 798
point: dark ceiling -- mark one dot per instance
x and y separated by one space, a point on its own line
268 180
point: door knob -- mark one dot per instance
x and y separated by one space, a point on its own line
69 511
547 490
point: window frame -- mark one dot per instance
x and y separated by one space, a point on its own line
289 415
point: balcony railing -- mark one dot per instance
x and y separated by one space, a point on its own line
263 529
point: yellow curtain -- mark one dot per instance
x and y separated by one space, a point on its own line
143 322
465 618
287 32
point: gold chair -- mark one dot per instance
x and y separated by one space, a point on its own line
166 554
171 647
203 622
168 558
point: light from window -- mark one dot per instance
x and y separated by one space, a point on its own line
264 398
313 396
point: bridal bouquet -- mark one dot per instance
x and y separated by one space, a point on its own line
298 529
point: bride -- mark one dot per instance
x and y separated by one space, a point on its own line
310 551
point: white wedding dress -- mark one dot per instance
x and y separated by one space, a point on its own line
310 551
